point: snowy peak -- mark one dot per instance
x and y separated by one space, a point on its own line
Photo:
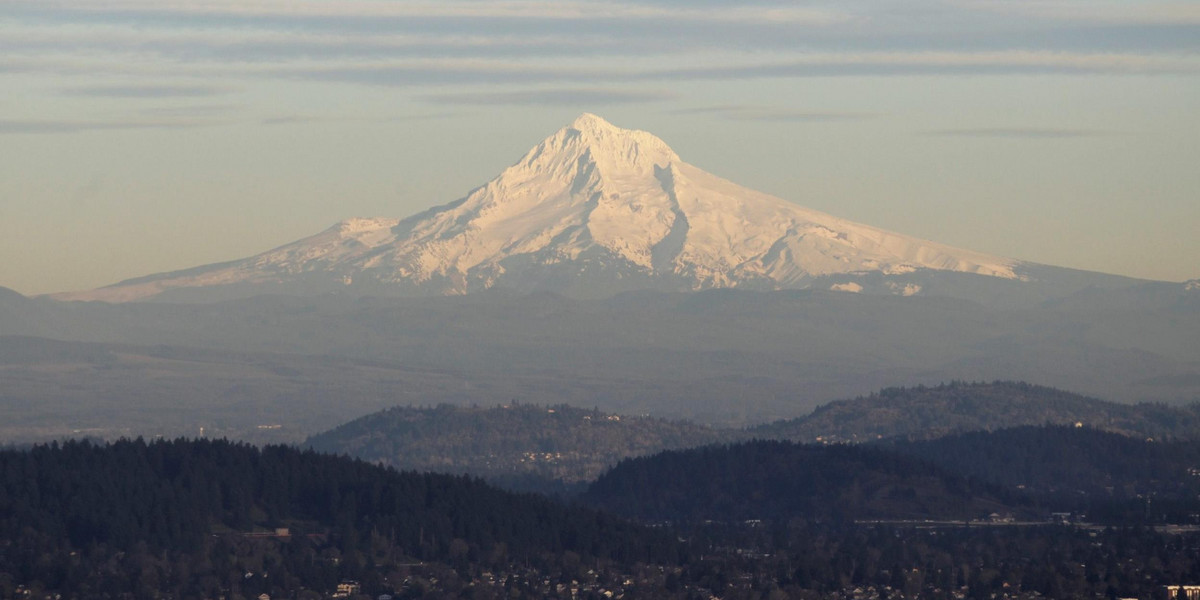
589 153
620 149
590 188
593 209
592 123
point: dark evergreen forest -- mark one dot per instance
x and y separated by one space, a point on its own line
1111 478
782 480
751 521
67 511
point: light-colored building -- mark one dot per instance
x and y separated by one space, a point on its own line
1191 592
346 589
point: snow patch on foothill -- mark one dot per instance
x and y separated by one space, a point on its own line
846 287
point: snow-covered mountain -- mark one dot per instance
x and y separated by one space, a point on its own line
591 210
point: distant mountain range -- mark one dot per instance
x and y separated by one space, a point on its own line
594 210
719 357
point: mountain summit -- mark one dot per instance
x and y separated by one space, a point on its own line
591 210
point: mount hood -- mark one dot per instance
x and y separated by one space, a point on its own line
592 210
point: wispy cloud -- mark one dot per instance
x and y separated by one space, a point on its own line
8 127
772 114
269 44
147 91
505 72
294 12
301 119
918 63
553 97
278 30
1170 13
570 52
202 110
428 72
291 120
1036 133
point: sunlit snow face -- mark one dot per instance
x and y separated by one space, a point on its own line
133 130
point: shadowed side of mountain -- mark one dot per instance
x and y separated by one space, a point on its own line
1066 463
10 296
43 317
781 481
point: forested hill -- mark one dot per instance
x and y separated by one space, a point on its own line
561 448
930 412
782 481
1106 475
189 509
514 444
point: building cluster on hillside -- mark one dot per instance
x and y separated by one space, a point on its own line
530 582
610 583
886 592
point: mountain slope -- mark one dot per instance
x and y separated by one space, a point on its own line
591 210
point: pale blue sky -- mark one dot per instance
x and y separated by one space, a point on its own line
139 136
